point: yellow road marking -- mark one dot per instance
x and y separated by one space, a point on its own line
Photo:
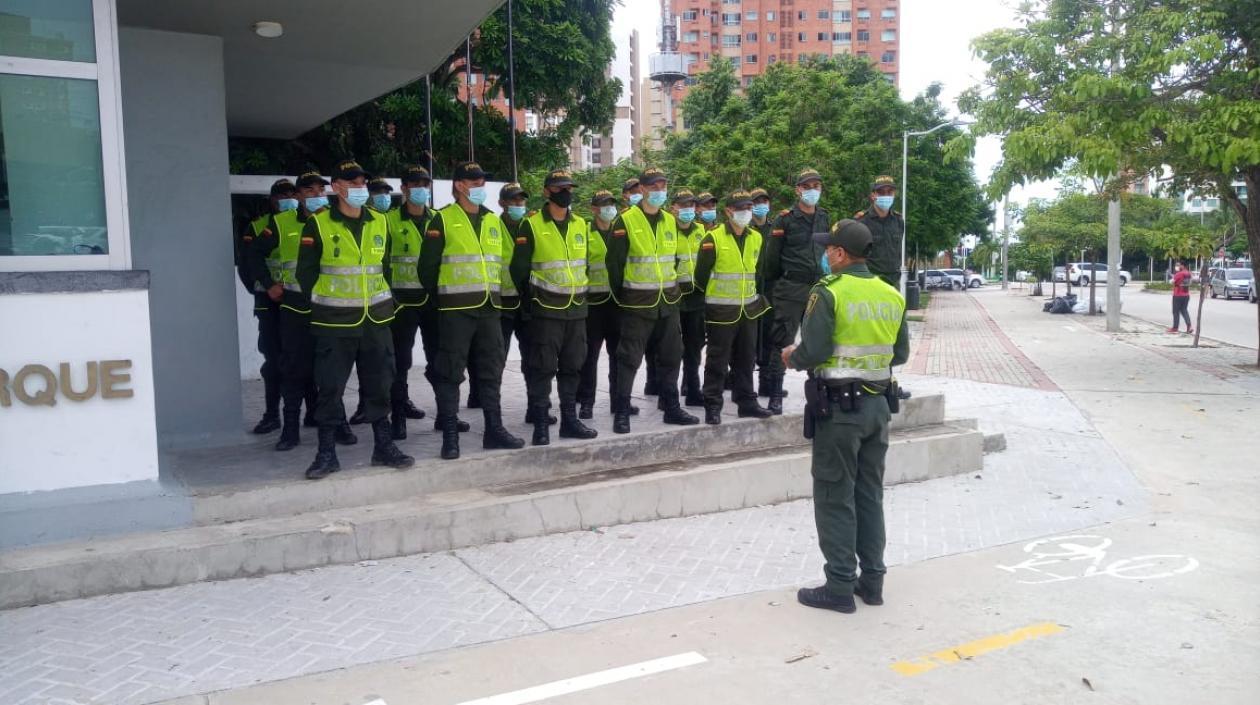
975 648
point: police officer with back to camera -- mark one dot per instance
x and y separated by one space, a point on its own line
343 263
792 268
888 229
550 267
462 262
854 332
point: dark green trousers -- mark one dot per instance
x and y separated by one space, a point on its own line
788 311
732 350
848 469
557 350
475 335
640 333
373 353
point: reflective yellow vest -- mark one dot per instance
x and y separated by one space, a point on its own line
732 289
557 271
289 241
351 288
509 297
868 317
257 226
688 249
472 263
405 240
597 288
650 279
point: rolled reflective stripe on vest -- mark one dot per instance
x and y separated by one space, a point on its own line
289 264
463 259
643 286
407 285
598 288
598 267
351 271
467 288
347 302
404 259
843 351
557 288
853 373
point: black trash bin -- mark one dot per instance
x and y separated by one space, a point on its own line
912 295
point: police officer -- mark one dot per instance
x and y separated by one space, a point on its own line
632 195
461 261
407 224
706 209
727 269
642 270
761 221
691 309
266 310
792 267
342 262
550 264
854 331
888 229
381 200
603 320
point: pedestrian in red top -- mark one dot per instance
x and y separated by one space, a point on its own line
1181 298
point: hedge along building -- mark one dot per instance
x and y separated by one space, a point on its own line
118 314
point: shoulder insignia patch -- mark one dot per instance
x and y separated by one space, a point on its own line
777 232
859 214
432 233
308 241
266 233
619 233
531 214
248 238
521 240
707 245
813 299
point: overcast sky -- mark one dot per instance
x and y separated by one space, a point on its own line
935 47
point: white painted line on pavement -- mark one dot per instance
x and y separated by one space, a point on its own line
590 680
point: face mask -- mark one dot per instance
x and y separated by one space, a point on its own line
419 196
825 263
516 212
686 215
884 202
356 196
608 213
708 215
761 210
562 198
741 218
635 198
314 203
287 204
657 198
382 201
810 197
477 195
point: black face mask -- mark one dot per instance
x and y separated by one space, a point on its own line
562 198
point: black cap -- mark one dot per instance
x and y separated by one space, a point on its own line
469 171
759 193
684 197
379 185
629 184
415 174
853 236
512 190
705 197
348 169
281 187
807 175
311 178
738 199
603 197
558 178
883 181
651 175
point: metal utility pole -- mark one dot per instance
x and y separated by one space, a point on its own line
511 92
1006 241
1113 265
468 83
905 173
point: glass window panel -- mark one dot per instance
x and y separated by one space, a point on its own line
52 197
48 29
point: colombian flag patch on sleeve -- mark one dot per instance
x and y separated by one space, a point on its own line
619 233
432 233
706 246
777 232
308 241
521 240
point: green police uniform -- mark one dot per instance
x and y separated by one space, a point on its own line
266 311
691 308
603 320
887 231
406 234
728 269
792 267
854 330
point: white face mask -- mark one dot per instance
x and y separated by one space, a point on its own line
608 213
741 218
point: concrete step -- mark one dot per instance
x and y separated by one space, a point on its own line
248 494
455 518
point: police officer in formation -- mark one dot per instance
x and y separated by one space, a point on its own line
407 224
266 308
603 320
691 309
853 333
888 229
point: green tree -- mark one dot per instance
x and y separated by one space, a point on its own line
1127 88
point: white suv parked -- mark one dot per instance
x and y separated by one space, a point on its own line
1082 272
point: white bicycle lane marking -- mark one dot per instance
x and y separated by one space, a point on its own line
1060 558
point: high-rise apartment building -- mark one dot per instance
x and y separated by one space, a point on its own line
757 33
596 151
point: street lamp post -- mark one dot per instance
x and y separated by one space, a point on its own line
905 209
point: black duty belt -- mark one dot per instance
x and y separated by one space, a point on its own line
836 391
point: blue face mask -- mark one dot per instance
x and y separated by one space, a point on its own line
686 215
825 264
418 196
356 196
708 215
608 213
635 198
516 212
287 204
657 198
761 210
314 203
477 194
382 201
884 203
810 197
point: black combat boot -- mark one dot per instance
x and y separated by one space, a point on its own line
587 410
474 395
621 415
460 425
345 437
824 599
309 419
412 411
530 416
384 452
713 414
268 423
763 383
398 421
871 590
676 415
571 427
753 410
357 417
650 386
691 387
326 457
289 433
496 436
449 426
542 430
776 396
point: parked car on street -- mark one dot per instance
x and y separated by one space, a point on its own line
965 279
1060 274
1081 273
938 279
1231 282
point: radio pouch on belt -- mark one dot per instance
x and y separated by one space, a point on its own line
891 394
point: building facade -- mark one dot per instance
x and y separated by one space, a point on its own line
600 150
